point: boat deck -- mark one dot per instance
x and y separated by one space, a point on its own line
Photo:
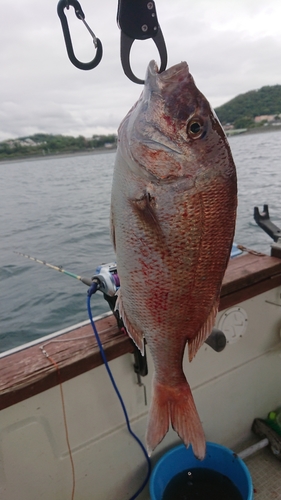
265 470
266 475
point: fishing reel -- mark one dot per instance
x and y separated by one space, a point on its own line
108 283
108 279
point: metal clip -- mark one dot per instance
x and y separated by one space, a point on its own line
137 20
80 14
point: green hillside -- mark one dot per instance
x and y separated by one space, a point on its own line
241 110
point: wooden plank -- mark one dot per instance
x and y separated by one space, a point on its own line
249 292
29 372
248 276
247 270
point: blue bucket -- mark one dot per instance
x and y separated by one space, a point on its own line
218 458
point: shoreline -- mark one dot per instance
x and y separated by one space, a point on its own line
263 130
257 130
59 155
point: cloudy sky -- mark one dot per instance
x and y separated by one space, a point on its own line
231 46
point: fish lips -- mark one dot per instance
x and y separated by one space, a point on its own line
170 78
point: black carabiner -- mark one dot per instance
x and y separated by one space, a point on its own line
80 14
137 20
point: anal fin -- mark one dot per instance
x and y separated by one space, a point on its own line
199 339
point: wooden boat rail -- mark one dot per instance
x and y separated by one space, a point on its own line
30 371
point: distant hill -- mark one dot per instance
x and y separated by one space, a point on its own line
242 110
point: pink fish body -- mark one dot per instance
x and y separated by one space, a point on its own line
173 212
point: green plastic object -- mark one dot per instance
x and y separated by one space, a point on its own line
274 420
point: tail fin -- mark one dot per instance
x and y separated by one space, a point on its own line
175 405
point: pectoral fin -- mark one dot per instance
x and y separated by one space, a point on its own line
145 208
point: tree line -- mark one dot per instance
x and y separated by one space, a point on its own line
49 144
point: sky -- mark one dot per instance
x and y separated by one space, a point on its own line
231 46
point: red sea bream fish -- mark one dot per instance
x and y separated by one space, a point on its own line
173 212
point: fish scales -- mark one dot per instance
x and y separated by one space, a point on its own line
173 211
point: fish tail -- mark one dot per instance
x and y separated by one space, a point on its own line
175 405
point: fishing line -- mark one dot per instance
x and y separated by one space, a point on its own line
91 291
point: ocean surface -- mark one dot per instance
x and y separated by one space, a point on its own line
57 210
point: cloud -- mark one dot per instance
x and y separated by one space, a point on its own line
231 47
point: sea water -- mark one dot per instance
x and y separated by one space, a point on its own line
57 209
201 484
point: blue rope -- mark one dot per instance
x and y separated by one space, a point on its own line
92 290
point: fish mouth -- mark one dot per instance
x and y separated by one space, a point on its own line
155 80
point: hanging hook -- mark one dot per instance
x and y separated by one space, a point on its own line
137 20
80 14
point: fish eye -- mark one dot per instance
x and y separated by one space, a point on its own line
195 128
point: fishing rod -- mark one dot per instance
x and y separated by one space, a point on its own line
86 281
106 275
